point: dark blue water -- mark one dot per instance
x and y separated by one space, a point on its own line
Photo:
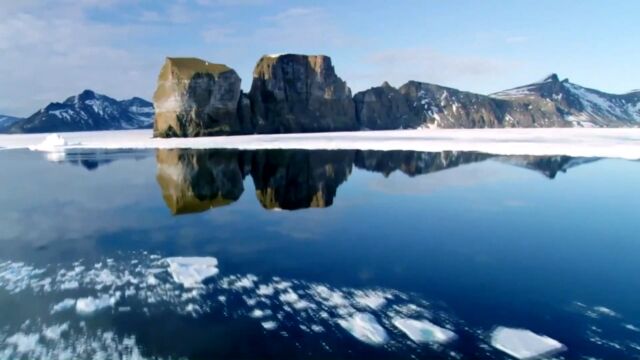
467 241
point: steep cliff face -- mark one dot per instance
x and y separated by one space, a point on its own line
196 98
197 180
385 108
300 93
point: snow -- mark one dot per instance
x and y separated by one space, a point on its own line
365 327
422 331
191 271
524 344
577 142
371 299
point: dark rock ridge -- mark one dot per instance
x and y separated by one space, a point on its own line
87 111
196 98
300 93
198 180
6 121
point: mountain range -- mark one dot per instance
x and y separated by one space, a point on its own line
550 102
86 111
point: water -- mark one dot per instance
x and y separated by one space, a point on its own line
306 241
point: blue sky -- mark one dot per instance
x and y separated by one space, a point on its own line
51 49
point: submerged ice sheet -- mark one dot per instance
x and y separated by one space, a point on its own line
365 327
613 143
524 344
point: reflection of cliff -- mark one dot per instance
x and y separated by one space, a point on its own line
549 166
295 179
197 180
414 163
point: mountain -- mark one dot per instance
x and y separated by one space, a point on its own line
6 122
547 103
88 111
575 104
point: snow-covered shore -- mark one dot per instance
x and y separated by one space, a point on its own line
613 143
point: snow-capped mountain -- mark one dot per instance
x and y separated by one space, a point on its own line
547 103
580 106
6 122
88 111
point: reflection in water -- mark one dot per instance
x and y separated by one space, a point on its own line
293 180
197 180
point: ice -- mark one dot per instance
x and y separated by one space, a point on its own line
524 344
23 342
371 299
52 143
89 305
65 304
605 311
191 271
576 142
422 331
269 325
365 327
54 332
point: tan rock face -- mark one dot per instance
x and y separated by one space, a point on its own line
196 98
300 93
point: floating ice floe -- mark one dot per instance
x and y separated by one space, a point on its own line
89 305
269 325
191 271
23 343
365 327
423 331
65 304
524 344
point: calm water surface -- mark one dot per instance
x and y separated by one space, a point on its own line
312 248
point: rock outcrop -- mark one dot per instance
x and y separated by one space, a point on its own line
385 108
196 98
300 93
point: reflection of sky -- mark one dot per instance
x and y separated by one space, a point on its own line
487 238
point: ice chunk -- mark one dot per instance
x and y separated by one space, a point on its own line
257 313
23 342
524 344
89 305
65 304
269 325
605 311
191 271
371 299
55 331
422 331
52 143
365 327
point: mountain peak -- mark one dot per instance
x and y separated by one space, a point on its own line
553 77
87 94
386 85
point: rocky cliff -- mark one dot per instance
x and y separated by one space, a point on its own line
196 98
300 93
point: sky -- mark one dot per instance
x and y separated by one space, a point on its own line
53 49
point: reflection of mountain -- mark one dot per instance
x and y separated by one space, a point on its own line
549 166
291 180
414 163
197 180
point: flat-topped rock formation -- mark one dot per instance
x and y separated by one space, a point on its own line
300 93
196 98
